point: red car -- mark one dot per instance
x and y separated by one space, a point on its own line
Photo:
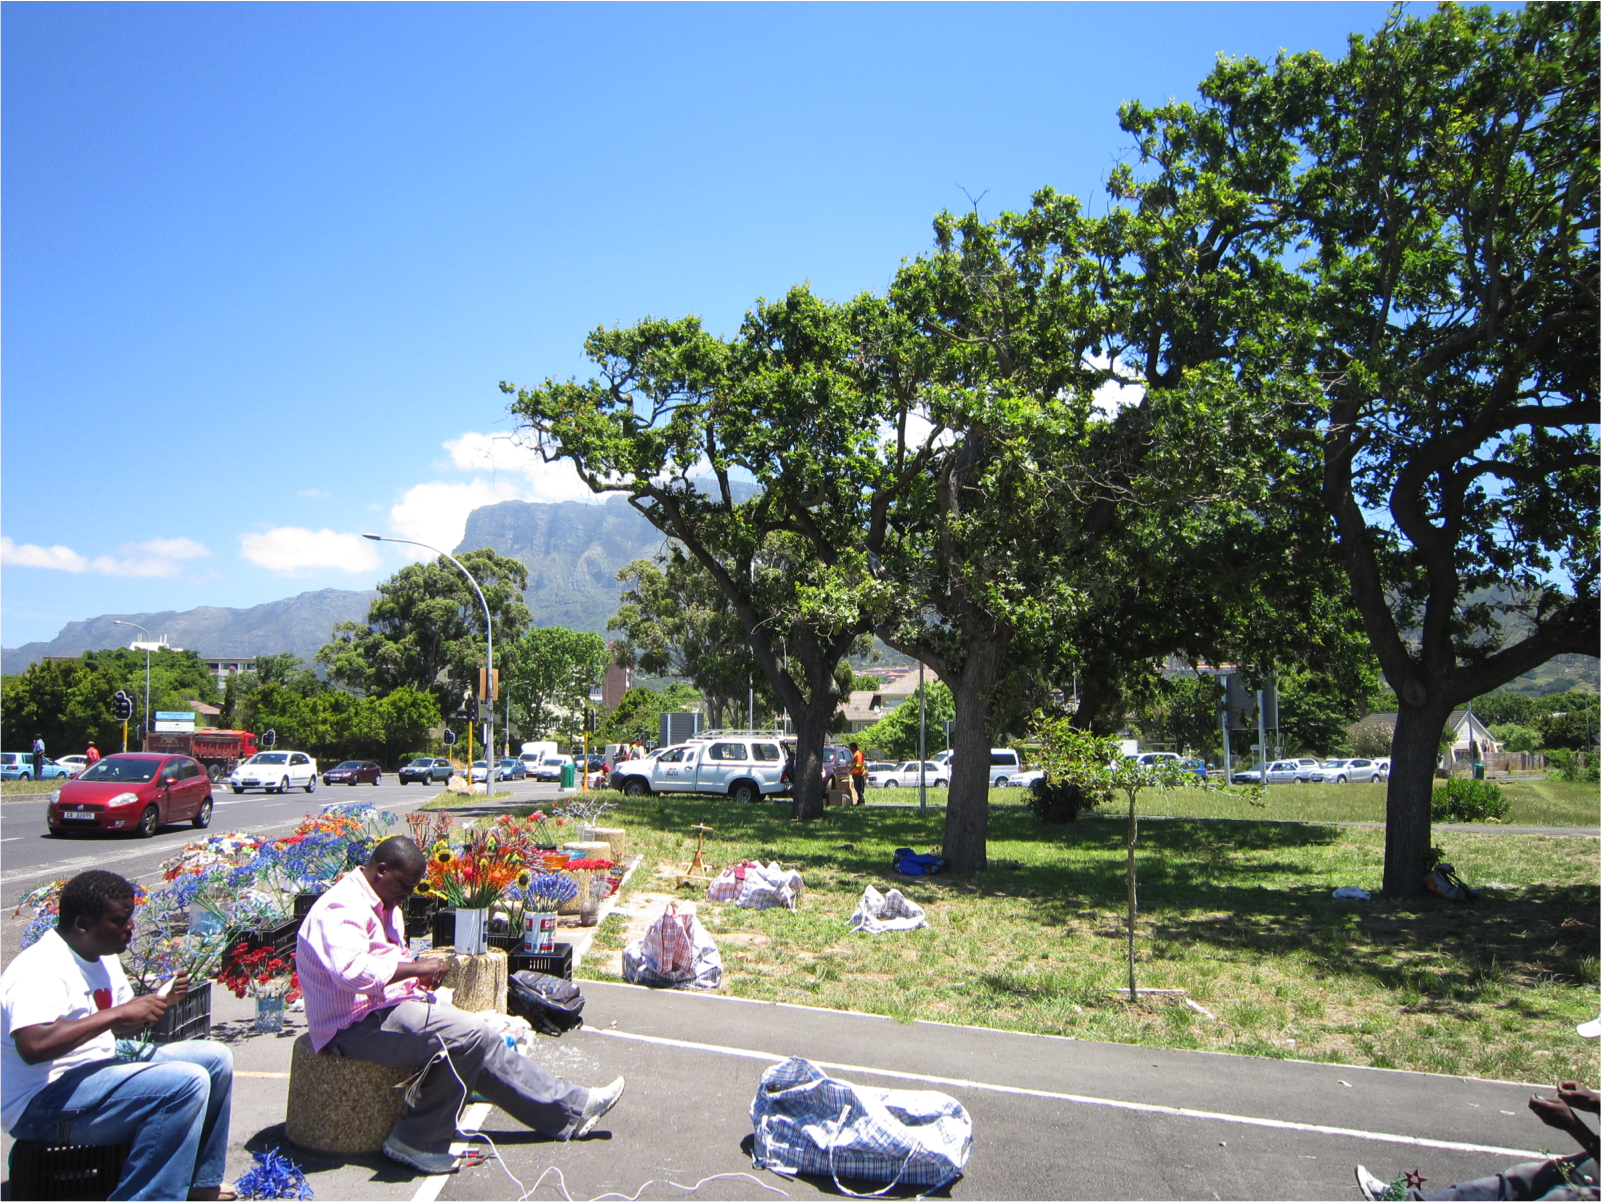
132 791
354 772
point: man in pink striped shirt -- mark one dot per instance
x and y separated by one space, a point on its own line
368 998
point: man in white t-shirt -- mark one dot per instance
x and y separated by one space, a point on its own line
63 1003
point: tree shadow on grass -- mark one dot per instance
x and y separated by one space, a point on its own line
1238 889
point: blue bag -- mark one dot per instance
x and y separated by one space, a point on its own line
911 863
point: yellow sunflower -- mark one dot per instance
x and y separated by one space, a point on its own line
444 857
524 878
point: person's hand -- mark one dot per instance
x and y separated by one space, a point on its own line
1555 1113
1579 1097
132 1017
431 970
180 986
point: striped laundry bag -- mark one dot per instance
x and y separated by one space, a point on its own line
809 1122
675 952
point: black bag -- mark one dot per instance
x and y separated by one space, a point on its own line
550 1004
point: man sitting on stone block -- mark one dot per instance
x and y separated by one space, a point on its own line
369 999
63 1003
1555 1179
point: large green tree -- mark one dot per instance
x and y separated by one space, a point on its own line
1442 180
548 675
676 414
425 630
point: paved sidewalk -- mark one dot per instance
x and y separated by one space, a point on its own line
1053 1117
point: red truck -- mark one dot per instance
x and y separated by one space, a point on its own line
219 750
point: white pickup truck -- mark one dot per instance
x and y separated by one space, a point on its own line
743 767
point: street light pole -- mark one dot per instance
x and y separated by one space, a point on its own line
489 656
144 743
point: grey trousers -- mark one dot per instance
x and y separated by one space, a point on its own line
408 1036
1536 1179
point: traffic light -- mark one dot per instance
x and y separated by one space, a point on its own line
269 739
471 706
589 720
121 706
450 737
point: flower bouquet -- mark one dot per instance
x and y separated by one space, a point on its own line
265 975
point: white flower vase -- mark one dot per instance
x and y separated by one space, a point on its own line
539 932
472 932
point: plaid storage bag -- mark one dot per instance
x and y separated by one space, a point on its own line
809 1122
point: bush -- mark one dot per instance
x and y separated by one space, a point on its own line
1371 740
1060 801
1468 801
1566 766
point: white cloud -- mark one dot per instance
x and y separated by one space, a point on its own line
1113 396
496 453
436 512
293 551
319 494
153 557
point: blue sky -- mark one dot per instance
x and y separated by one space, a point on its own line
265 264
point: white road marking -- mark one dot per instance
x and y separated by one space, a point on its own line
471 1119
1084 1100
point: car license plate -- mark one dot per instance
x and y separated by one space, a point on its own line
77 816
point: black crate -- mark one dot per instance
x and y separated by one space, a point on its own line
443 924
65 1171
304 902
280 938
558 963
188 1018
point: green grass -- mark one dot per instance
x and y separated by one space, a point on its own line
457 801
1236 913
23 788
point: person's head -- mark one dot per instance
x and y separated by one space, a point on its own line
95 915
853 747
394 869
91 742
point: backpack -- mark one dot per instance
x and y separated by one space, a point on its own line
549 1004
1444 882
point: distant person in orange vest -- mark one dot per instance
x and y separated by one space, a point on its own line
92 755
859 773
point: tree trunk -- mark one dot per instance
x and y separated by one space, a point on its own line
967 810
811 732
1414 753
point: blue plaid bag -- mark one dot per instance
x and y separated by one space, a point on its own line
809 1122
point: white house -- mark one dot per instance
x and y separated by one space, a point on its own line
1472 738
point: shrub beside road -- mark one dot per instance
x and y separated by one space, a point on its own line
1238 914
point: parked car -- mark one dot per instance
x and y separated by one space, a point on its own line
740 767
511 768
18 765
354 772
1004 764
878 772
623 769
905 776
597 763
1383 763
1026 778
275 772
132 791
550 767
74 764
836 766
1279 772
426 769
1340 772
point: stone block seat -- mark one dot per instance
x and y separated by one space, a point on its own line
348 1107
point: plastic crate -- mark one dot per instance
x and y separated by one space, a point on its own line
443 924
304 902
189 1018
65 1171
280 938
558 963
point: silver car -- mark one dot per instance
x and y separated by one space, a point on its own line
1340 772
1279 772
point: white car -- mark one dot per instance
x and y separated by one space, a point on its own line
1004 764
905 776
275 772
550 767
1026 779
74 764
1279 772
877 774
1341 772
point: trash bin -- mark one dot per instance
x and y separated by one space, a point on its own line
1478 769
569 773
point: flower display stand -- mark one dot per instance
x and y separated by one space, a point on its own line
587 850
616 838
341 1106
478 982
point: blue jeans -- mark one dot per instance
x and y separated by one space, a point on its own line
173 1106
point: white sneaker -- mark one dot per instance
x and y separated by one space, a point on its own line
424 1162
600 1101
1372 1188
